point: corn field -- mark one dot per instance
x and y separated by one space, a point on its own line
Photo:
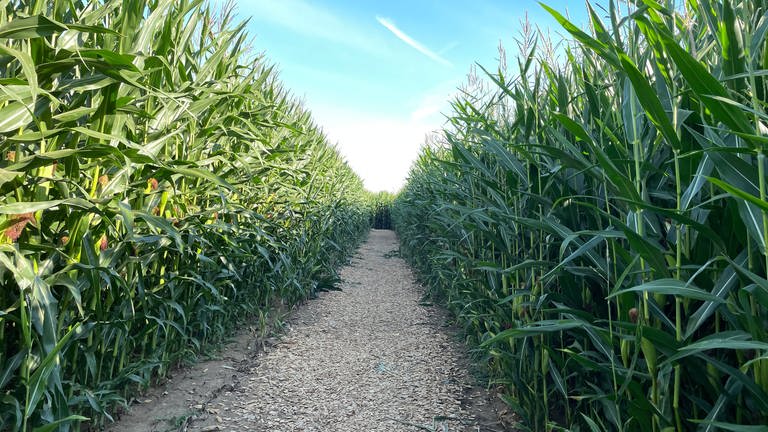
598 219
157 187
381 208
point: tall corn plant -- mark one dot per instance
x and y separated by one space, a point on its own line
599 221
157 186
381 206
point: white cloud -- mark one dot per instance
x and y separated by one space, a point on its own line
380 146
448 48
380 149
389 25
302 17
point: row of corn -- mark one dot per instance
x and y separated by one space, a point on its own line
157 186
381 208
597 219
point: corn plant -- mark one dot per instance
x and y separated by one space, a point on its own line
599 221
381 207
157 186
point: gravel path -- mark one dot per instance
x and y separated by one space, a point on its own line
367 358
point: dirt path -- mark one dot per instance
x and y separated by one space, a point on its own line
367 358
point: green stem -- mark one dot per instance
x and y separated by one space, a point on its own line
678 303
761 176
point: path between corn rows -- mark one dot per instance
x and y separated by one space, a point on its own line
371 357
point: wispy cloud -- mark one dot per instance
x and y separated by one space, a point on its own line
389 25
448 47
303 17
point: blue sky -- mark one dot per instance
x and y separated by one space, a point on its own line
378 75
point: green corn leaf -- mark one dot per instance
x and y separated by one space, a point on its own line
197 173
670 287
31 27
731 426
603 50
584 248
540 327
8 176
55 425
705 86
610 170
739 193
650 101
725 344
38 381
732 387
92 29
557 378
699 179
15 116
32 207
723 287
27 67
10 366
731 44
593 426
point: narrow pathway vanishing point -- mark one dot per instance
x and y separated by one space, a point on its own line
367 358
